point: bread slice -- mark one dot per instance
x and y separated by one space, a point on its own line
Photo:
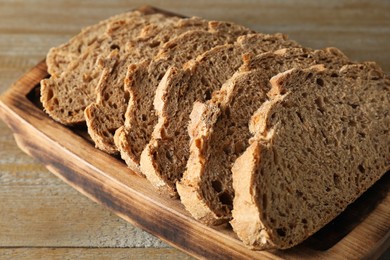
106 115
319 143
65 96
58 58
142 81
219 129
164 159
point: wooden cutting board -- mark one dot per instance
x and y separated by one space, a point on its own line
362 231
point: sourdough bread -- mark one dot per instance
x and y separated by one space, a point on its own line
164 159
319 143
65 96
106 114
219 129
142 81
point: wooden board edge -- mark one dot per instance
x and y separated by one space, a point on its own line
29 125
23 141
380 248
104 192
10 113
23 86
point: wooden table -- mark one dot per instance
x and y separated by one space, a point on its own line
40 216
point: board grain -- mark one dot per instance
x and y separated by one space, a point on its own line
67 152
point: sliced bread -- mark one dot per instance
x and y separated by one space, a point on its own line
219 129
106 114
142 81
320 142
66 95
164 159
58 58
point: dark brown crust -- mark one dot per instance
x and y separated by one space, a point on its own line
142 81
332 148
164 159
219 128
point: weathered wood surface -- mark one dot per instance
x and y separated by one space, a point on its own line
92 253
37 209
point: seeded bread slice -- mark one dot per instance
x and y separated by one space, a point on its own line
65 96
164 159
319 143
219 129
142 81
106 115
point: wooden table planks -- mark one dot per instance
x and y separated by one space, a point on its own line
42 216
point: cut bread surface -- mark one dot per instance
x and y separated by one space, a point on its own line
219 128
66 95
189 104
319 143
142 80
58 58
106 114
164 159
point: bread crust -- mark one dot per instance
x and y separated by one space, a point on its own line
106 114
294 186
58 58
67 93
142 81
219 132
168 148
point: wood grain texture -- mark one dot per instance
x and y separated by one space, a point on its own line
29 28
92 253
57 216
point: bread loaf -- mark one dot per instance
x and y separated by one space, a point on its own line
319 143
142 81
182 91
66 95
58 58
106 114
219 128
164 159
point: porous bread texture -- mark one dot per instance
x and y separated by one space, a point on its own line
219 131
58 58
319 143
106 114
65 96
142 80
164 159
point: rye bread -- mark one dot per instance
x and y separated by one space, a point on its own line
58 58
65 96
164 159
219 130
106 114
142 80
319 142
